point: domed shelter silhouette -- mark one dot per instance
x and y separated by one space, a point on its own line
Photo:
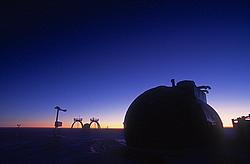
173 117
86 126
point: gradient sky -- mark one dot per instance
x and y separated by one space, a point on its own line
94 58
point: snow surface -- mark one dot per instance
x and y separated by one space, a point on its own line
30 145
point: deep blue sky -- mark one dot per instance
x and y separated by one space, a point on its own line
94 58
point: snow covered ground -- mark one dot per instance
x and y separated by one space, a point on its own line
29 145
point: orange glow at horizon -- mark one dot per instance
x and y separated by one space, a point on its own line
226 113
39 124
230 111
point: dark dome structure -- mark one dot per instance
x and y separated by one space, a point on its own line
172 118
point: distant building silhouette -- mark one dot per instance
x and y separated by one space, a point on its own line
242 128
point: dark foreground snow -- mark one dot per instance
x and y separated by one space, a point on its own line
27 145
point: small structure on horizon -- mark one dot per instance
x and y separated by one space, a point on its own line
57 122
18 125
77 120
242 128
93 120
240 122
86 126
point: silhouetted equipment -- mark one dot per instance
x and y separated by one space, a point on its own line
18 125
58 123
173 82
242 128
172 118
77 120
86 126
93 120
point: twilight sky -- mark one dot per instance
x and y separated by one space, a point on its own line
95 57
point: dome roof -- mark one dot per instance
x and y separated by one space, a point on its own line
171 117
